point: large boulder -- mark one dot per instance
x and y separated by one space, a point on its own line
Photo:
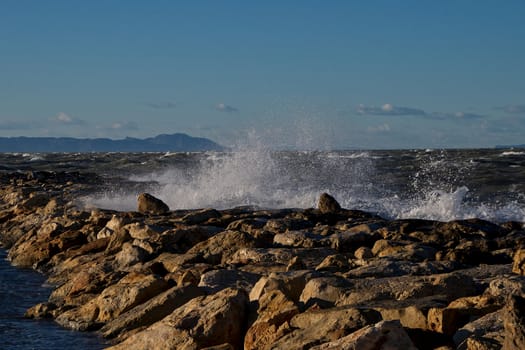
385 335
152 311
202 322
514 323
327 204
274 312
130 291
148 204
316 327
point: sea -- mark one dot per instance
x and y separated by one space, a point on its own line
436 184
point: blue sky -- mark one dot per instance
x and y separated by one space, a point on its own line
303 74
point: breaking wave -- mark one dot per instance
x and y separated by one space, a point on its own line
395 184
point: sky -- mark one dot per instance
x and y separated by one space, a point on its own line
299 74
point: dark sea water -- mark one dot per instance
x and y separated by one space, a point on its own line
19 290
428 184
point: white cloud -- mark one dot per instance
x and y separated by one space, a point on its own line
389 110
383 128
221 107
124 126
65 118
162 105
514 109
456 115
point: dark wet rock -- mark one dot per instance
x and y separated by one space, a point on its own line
282 225
148 204
349 241
200 216
327 204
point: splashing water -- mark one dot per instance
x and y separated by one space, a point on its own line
395 184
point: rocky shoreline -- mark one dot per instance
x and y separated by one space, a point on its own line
247 278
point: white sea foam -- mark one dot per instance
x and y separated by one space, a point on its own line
437 190
512 153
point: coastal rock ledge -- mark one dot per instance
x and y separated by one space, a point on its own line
248 278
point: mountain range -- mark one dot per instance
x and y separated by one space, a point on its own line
161 143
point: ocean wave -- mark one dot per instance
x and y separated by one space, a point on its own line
512 153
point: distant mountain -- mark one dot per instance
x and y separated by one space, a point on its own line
161 143
510 146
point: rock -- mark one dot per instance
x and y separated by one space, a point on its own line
181 239
349 241
87 277
300 239
327 204
41 310
334 263
482 343
261 256
287 224
35 200
489 326
316 277
148 204
274 312
315 327
459 312
518 265
151 311
130 255
202 322
200 216
290 283
514 323
324 291
216 280
222 246
130 291
139 230
296 263
385 335
504 287
444 287
386 267
363 253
